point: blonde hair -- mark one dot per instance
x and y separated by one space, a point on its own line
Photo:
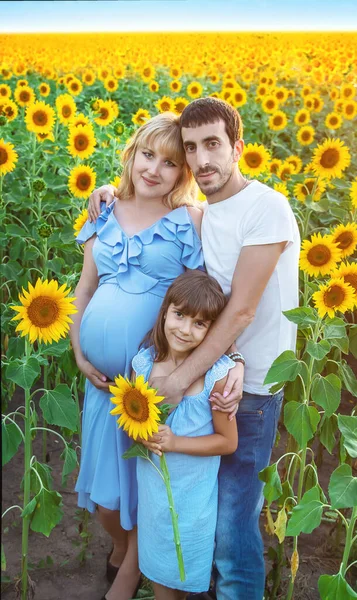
164 132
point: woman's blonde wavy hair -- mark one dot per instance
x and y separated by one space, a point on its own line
162 132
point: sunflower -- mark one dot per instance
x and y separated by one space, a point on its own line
281 94
106 113
165 104
331 158
175 85
270 104
348 91
353 193
141 116
74 86
111 84
282 189
239 97
348 272
80 221
305 135
147 72
103 73
136 405
153 86
320 255
345 236
21 82
302 117
44 311
44 89
5 91
278 121
274 165
285 171
335 295
88 77
175 72
254 160
349 109
333 120
40 117
41 137
24 95
66 108
9 109
81 141
311 185
81 181
295 161
8 157
194 89
180 104
119 71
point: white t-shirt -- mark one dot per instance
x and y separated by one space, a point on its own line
256 215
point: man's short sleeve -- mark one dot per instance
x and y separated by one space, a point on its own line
269 221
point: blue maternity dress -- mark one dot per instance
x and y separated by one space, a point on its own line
134 274
195 491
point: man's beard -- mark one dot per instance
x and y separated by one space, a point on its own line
224 174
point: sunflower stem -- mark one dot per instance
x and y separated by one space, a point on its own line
166 474
27 486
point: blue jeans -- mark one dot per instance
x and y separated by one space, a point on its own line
239 561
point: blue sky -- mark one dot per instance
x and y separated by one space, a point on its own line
179 15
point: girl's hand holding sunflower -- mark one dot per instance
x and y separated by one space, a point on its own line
162 441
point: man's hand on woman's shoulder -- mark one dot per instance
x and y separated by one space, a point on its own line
105 193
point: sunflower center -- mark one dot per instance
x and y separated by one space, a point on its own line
330 158
238 97
270 104
103 113
74 86
333 121
302 118
253 159
3 156
334 296
24 96
318 255
81 142
147 72
347 93
165 106
305 136
3 91
344 240
43 311
351 279
278 120
66 111
194 90
136 405
40 117
83 181
349 109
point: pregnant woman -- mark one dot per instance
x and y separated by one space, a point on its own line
134 251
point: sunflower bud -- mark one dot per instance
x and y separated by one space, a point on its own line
94 104
119 128
38 185
44 230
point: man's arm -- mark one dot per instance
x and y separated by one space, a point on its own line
254 268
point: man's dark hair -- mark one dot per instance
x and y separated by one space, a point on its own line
204 111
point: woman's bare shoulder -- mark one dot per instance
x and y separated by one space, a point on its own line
196 216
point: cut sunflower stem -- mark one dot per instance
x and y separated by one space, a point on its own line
166 474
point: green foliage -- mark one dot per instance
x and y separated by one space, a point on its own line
306 516
326 392
343 488
335 587
284 368
272 489
301 421
59 408
348 427
11 440
23 372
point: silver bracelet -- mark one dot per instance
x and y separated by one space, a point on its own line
236 357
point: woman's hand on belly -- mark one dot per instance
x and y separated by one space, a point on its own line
97 378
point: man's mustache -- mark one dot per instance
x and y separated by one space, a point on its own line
205 170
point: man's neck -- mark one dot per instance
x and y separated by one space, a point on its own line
234 185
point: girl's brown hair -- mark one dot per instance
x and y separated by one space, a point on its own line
194 293
164 132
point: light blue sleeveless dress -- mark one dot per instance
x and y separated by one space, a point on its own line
195 490
134 274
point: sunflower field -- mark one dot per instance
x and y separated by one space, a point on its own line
68 104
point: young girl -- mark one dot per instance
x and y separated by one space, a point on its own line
194 437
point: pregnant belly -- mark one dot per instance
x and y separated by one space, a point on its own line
113 325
